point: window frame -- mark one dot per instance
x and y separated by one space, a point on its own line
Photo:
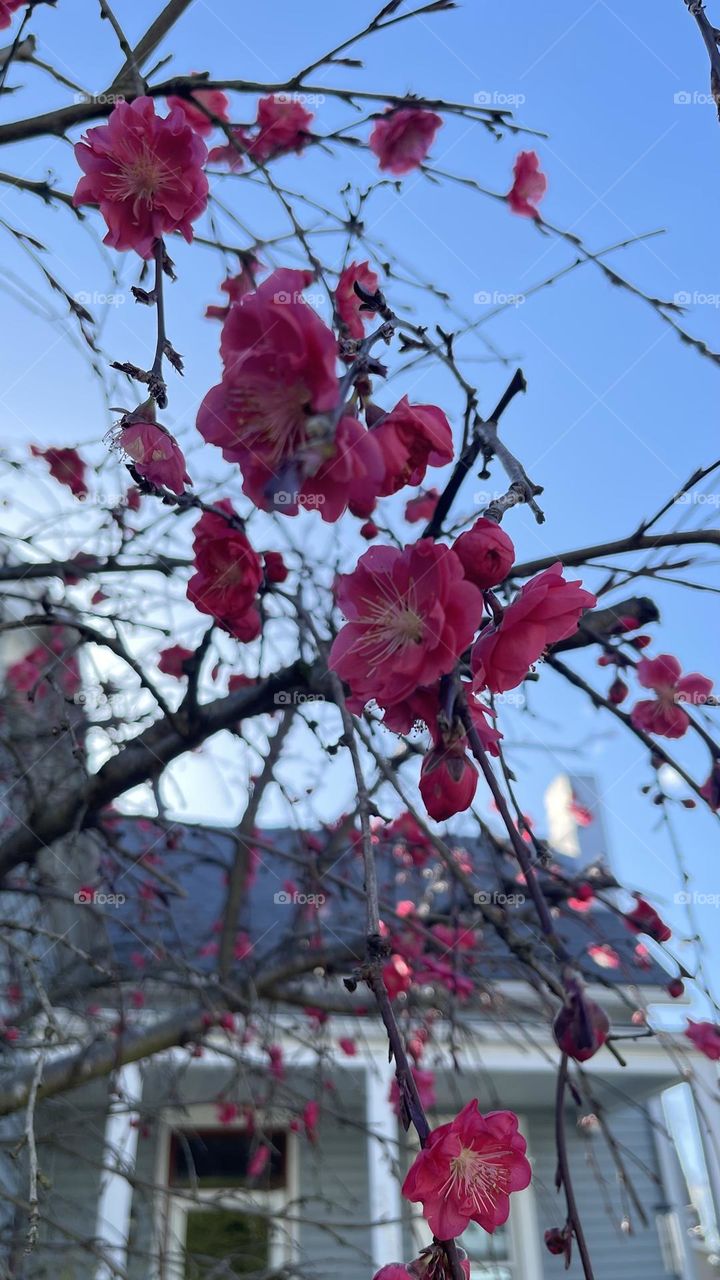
174 1204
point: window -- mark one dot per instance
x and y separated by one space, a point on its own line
215 1220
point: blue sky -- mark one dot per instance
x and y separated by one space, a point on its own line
618 411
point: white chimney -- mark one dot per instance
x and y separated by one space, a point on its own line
575 821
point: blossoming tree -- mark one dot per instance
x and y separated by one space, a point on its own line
393 663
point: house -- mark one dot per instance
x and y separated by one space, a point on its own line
206 1162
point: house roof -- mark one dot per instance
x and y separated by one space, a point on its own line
306 891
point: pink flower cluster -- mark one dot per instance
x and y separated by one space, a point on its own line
282 126
546 610
228 573
276 412
664 714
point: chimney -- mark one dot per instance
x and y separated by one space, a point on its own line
575 820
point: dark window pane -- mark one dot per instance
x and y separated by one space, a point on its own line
222 1243
220 1158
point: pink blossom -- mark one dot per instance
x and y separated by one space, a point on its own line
467 1171
232 152
423 508
156 454
278 382
706 1037
277 1062
529 185
486 552
410 616
310 1117
425 1085
617 692
558 1240
171 661
662 715
394 1271
580 812
347 303
65 465
146 174
411 844
412 437
7 9
644 919
547 609
397 976
351 478
581 1027
605 956
227 1112
275 567
236 286
710 790
402 138
348 1046
283 125
258 1162
448 781
214 99
228 574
